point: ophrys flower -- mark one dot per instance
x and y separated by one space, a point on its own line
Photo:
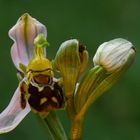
38 90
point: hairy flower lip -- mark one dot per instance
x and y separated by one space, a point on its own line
114 54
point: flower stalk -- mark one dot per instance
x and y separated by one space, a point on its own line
76 128
54 126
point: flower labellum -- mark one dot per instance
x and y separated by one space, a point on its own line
114 55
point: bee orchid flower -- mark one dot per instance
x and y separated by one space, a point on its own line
37 90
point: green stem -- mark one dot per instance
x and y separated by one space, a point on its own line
76 128
54 126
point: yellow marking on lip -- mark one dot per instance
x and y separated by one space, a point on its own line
43 100
54 99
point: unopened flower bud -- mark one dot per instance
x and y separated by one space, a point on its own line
114 55
71 59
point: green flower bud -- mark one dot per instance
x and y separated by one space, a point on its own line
71 59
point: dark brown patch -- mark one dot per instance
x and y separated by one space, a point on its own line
42 79
48 105
23 101
81 48
23 88
134 48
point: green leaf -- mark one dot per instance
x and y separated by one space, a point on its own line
100 89
103 86
87 85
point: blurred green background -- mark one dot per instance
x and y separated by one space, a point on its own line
116 114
